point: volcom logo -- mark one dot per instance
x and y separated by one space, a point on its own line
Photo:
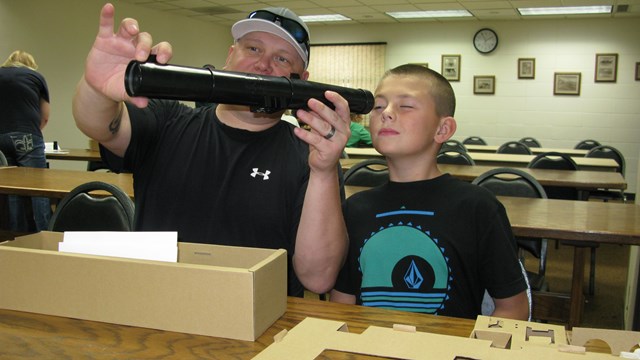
265 175
413 278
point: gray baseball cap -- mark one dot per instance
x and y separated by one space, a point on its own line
278 21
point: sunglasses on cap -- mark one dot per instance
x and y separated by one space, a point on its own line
291 26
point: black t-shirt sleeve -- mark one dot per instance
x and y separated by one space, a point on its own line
500 266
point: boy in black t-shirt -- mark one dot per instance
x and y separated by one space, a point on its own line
426 242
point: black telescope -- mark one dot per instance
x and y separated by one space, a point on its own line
262 93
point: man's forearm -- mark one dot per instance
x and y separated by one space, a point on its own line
101 118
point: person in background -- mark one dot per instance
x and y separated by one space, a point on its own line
360 136
223 174
426 241
24 112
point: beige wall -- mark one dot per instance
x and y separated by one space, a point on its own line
59 34
608 112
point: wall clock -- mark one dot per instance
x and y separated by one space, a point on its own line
485 40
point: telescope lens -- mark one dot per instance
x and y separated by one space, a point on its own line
133 78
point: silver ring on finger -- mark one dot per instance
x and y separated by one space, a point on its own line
331 133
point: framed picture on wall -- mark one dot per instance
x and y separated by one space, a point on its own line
566 83
485 84
606 67
451 67
526 68
638 71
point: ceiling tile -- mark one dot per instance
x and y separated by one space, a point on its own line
470 5
373 11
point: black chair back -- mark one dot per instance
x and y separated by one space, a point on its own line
553 160
609 152
474 140
454 157
587 144
556 161
453 145
510 182
370 172
530 142
514 147
81 211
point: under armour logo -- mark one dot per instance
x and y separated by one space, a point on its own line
265 175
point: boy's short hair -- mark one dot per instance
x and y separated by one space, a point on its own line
439 87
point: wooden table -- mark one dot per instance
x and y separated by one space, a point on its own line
534 150
74 154
27 335
506 160
582 180
55 183
590 221
518 160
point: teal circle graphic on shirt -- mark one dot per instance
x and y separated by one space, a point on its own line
404 268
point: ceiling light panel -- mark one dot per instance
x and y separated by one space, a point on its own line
566 10
429 14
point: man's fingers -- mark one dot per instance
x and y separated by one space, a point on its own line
341 105
143 46
163 52
106 21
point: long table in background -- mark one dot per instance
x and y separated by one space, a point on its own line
74 154
534 150
506 160
55 183
591 221
582 180
488 159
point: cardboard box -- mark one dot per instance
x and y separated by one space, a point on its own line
222 291
492 338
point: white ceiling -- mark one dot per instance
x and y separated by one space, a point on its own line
226 12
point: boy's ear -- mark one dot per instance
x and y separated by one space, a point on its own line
446 129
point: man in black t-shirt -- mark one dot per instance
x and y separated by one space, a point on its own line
224 174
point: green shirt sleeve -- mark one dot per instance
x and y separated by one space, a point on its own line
359 135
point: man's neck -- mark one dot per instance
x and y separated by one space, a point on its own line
240 117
